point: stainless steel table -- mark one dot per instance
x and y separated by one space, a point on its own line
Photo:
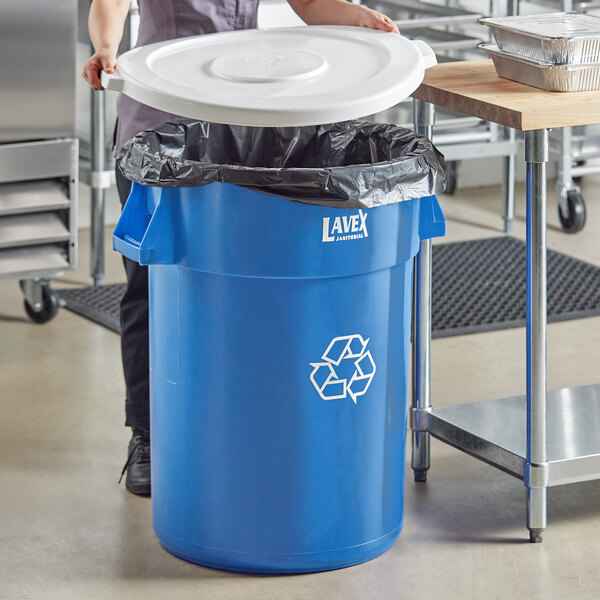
545 439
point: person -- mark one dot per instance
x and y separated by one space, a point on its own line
162 20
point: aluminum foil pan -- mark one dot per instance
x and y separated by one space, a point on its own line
559 38
543 75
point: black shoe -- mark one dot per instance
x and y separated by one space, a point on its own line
138 464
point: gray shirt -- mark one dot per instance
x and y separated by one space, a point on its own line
162 20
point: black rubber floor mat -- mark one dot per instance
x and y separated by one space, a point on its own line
478 286
99 304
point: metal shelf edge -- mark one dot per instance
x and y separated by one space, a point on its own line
574 470
494 431
476 446
16 210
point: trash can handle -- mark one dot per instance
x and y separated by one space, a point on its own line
432 222
111 81
127 246
429 58
144 232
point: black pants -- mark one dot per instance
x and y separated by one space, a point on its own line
134 334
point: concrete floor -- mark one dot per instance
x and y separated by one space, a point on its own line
67 530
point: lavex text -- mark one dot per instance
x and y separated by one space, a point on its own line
350 227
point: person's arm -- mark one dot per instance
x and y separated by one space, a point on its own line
341 12
106 21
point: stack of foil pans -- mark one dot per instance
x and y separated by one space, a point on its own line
557 52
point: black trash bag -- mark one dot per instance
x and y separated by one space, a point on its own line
352 164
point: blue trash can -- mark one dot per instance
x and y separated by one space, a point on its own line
279 335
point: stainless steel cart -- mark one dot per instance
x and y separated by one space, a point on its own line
38 150
545 439
572 147
454 33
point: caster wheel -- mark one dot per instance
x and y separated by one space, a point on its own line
574 220
50 305
450 177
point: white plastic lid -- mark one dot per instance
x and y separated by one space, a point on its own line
277 77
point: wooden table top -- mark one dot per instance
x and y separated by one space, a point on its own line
473 88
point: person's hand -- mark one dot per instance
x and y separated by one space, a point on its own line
367 17
341 12
103 60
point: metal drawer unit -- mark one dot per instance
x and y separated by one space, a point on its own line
38 218
38 148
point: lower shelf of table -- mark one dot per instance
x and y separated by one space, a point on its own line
495 431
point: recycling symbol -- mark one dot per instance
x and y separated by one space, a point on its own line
341 353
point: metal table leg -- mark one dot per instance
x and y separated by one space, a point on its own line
509 185
536 467
99 181
565 181
512 7
423 113
100 178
